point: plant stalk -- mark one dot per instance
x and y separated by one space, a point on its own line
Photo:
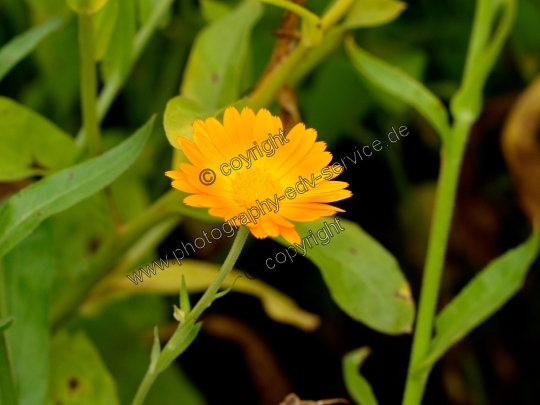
204 302
452 157
89 83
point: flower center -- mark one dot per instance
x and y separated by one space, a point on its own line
254 184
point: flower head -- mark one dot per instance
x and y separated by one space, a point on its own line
249 172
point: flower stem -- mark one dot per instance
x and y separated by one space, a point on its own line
202 304
452 156
88 83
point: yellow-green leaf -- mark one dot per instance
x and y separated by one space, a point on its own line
400 85
24 211
178 118
482 297
198 277
213 74
104 23
30 144
364 279
78 375
357 386
21 46
370 13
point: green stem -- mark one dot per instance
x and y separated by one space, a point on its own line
112 87
202 304
452 156
7 386
270 85
88 83
267 89
295 8
338 10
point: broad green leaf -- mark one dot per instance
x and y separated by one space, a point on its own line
214 10
400 85
22 45
357 386
178 118
213 74
370 13
78 375
364 279
198 276
104 23
23 212
117 59
483 296
29 271
30 144
123 334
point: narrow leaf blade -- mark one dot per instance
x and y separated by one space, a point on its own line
22 45
400 85
483 296
370 13
358 387
23 212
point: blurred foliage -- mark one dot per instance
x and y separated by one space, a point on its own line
389 64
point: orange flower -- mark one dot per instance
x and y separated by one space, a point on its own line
249 172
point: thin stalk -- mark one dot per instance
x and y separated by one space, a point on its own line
295 8
7 382
89 83
112 87
270 85
452 156
203 303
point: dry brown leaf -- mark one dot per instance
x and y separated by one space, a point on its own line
521 148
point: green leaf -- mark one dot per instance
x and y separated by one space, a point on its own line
482 297
213 74
30 144
364 279
370 13
400 85
357 386
6 323
117 59
156 350
29 271
178 118
78 375
214 10
22 45
104 23
23 212
184 297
